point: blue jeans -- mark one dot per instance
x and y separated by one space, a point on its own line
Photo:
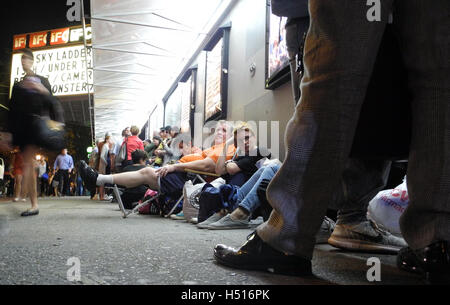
247 196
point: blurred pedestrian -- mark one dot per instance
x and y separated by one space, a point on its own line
31 100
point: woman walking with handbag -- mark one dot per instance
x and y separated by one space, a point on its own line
32 108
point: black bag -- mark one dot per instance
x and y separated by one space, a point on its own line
47 133
210 202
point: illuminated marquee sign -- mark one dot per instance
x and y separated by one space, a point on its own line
60 36
38 40
56 37
61 58
20 42
65 68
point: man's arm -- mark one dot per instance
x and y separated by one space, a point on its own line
55 165
205 165
70 164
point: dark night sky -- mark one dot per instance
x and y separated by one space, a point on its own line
25 16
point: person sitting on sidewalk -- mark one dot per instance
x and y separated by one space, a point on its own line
248 202
169 179
354 231
243 165
131 196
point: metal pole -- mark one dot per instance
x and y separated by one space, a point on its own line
91 102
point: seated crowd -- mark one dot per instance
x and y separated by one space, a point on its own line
166 162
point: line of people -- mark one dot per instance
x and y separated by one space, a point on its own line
236 157
321 167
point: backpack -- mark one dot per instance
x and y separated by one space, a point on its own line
210 202
153 207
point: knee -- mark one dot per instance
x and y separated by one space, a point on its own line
148 172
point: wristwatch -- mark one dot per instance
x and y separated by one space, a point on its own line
229 161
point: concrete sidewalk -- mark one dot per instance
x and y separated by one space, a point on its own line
146 250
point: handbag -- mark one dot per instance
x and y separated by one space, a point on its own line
47 133
122 154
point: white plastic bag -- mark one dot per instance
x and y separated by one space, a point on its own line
387 207
191 195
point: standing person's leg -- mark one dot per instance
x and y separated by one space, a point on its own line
424 40
60 183
101 188
361 181
340 51
18 187
66 186
295 29
44 189
30 179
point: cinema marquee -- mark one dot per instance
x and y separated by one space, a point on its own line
60 56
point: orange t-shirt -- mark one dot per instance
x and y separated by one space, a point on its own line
213 152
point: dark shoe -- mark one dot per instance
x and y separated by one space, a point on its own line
432 261
89 176
365 236
325 231
255 254
30 212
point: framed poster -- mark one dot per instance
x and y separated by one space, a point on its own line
172 114
213 98
277 59
180 102
216 84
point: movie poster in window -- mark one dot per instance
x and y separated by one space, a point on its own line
185 105
213 100
173 109
277 64
278 54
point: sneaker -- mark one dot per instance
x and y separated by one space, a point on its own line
257 221
89 176
365 236
227 223
194 220
108 198
326 228
179 216
215 217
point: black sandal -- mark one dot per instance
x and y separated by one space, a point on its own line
30 212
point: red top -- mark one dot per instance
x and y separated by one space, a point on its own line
18 164
133 143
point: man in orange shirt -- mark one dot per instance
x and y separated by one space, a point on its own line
171 178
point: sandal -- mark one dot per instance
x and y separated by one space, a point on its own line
30 212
